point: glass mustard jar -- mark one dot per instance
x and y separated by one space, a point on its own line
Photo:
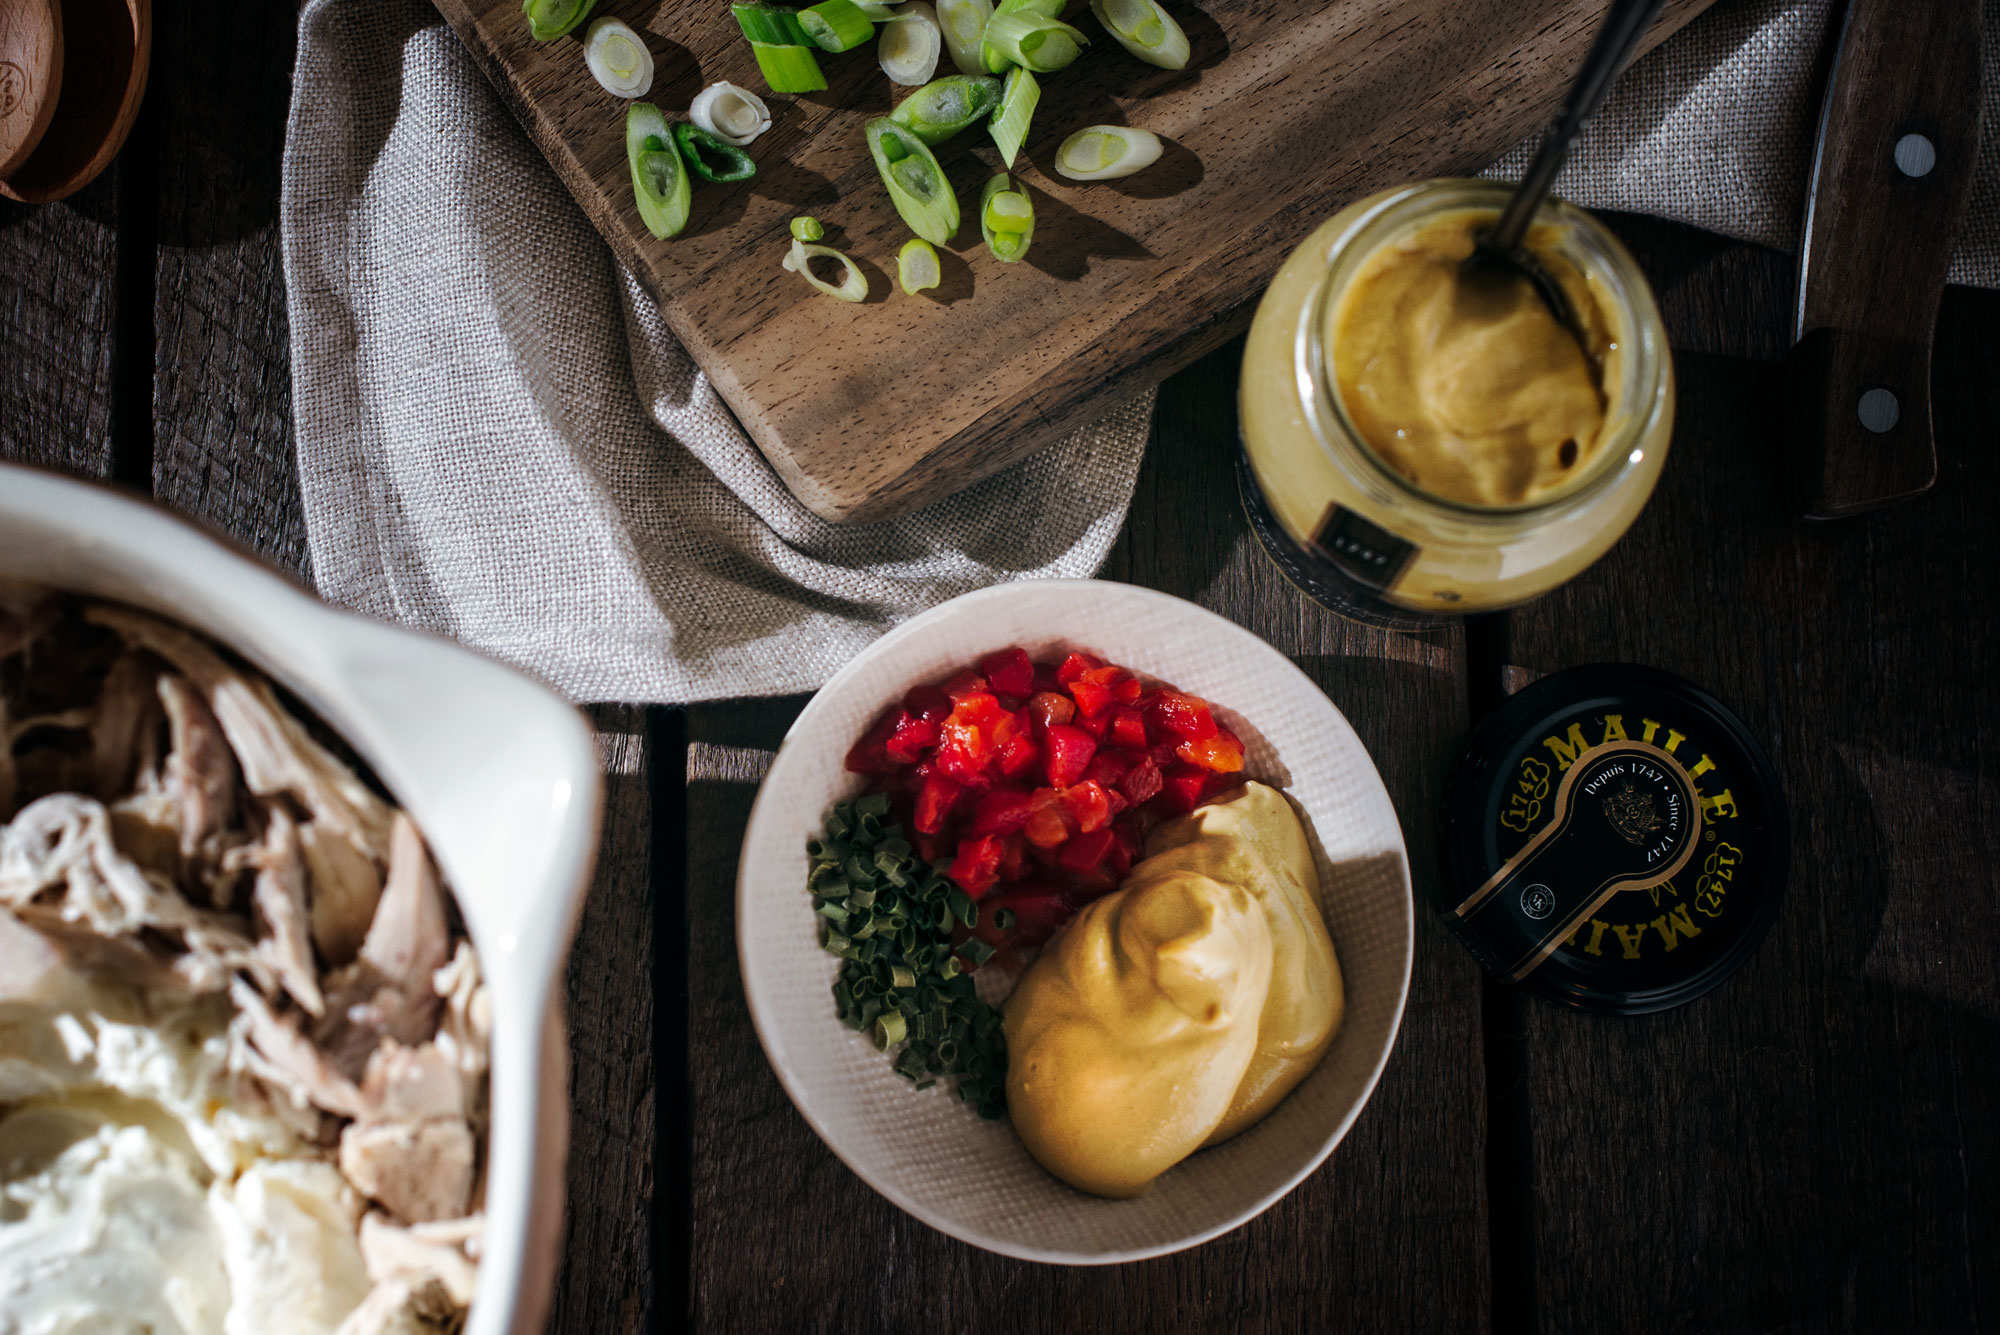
1393 508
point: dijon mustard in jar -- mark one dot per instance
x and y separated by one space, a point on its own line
1420 443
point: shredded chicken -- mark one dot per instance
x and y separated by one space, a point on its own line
168 820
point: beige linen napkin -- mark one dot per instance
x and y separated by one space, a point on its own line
499 441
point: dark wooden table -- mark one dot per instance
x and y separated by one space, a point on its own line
1810 1148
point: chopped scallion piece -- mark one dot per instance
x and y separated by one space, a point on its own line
1007 221
917 268
1043 45
807 228
964 25
711 157
618 59
917 185
910 44
878 11
1145 29
890 1030
771 25
1105 152
1010 119
837 25
943 107
552 18
789 69
659 178
854 287
730 113
1048 9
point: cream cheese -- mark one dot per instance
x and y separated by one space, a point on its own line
137 1195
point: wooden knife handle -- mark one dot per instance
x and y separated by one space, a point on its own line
1891 177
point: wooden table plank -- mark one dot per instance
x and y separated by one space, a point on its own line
1390 1233
607 1278
221 388
1811 1146
55 331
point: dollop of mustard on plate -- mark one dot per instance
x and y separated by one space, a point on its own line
1469 387
1178 1010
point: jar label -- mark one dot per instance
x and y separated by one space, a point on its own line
1626 816
1363 551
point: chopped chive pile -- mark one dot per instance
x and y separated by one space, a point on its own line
890 919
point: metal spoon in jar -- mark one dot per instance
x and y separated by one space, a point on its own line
1499 252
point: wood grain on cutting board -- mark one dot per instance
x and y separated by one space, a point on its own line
1287 110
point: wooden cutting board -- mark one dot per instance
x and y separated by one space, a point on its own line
1288 109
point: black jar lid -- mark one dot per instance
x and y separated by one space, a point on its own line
1615 839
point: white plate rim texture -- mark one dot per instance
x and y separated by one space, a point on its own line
941 1155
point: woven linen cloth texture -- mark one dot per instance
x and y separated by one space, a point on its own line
500 442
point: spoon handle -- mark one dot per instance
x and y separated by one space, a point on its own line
1625 22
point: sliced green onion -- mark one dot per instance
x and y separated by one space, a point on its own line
1146 30
553 18
1010 119
917 268
806 228
734 114
1048 9
854 287
837 25
943 107
976 951
964 25
712 157
789 69
890 1030
917 185
1007 221
659 179
878 11
1105 152
618 59
1035 43
771 25
910 44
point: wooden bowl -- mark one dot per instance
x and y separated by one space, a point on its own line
93 58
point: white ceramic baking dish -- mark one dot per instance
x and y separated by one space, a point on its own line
499 773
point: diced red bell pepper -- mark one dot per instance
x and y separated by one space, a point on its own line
1118 860
1068 751
1165 753
1220 754
1128 728
1187 715
1046 679
1075 666
977 865
1098 725
1038 911
1086 852
927 702
1014 861
1127 689
1002 811
934 804
1088 806
931 848
1009 672
964 683
1183 787
1046 827
979 709
870 755
1090 697
962 754
1019 755
1048 708
910 738
1107 768
1141 782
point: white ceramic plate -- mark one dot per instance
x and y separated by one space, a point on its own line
926 1151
